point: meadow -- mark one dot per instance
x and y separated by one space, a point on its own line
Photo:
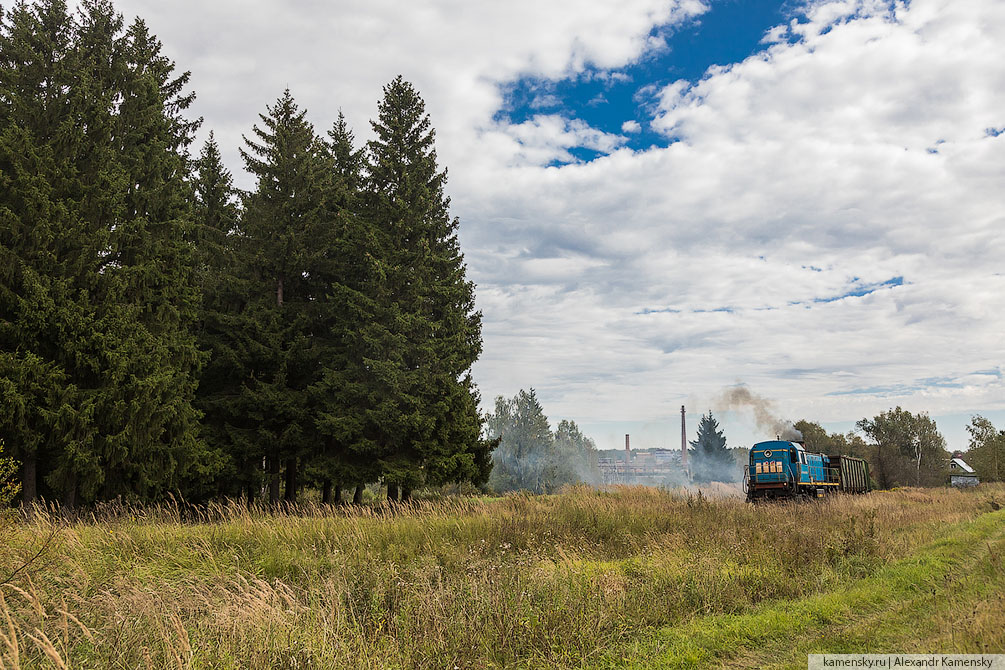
630 577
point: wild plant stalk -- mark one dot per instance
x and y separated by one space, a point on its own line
551 580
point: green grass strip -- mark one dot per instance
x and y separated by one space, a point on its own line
895 606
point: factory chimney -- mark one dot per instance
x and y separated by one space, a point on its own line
628 451
683 440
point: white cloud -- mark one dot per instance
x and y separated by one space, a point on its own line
817 152
547 138
243 53
630 127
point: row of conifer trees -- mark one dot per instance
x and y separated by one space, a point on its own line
161 331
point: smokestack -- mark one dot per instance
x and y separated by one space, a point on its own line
683 439
628 450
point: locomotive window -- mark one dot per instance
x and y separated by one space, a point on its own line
795 456
802 458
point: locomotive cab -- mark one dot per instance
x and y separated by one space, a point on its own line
771 471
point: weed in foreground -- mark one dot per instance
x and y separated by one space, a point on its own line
520 581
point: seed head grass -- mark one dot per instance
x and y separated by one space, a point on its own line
465 582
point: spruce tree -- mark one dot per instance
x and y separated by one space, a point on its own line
343 275
52 315
96 304
33 44
427 423
280 217
151 426
217 239
711 460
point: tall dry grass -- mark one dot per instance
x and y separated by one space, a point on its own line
463 582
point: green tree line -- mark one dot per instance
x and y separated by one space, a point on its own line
529 456
986 451
162 331
902 448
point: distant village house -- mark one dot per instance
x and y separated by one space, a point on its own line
961 474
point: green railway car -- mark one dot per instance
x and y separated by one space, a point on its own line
854 473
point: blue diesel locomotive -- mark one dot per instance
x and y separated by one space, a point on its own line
782 469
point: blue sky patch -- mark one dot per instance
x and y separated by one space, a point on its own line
857 290
863 289
900 389
664 310
903 389
728 33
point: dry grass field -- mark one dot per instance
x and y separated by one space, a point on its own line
631 577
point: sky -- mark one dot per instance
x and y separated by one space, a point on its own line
663 199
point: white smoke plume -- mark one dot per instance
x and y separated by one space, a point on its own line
741 397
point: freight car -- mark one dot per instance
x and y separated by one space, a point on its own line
782 469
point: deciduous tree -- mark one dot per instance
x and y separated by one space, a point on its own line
986 452
908 449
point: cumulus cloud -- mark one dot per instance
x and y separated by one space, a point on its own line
758 246
243 53
548 138
817 152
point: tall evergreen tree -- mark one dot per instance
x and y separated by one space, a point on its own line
711 460
216 214
343 278
36 280
221 329
96 302
280 217
427 423
152 428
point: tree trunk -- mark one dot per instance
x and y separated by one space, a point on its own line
338 494
406 494
249 492
881 468
326 492
997 479
273 480
392 492
279 292
357 497
28 476
70 492
291 480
